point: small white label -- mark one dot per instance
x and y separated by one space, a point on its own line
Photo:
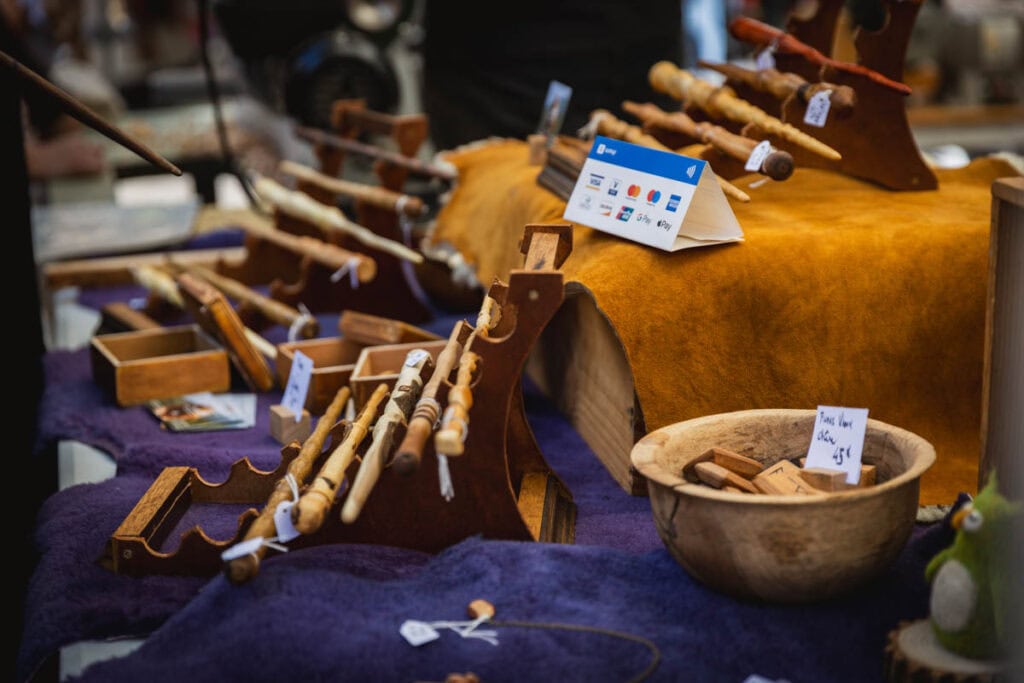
838 440
817 108
765 59
414 357
286 531
757 156
418 633
242 549
298 384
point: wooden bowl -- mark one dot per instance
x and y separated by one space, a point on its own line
780 548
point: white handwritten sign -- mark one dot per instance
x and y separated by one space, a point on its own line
298 384
838 440
817 108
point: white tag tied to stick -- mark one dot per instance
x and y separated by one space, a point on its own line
765 58
758 155
415 356
444 477
298 384
418 633
817 108
296 326
286 531
350 267
250 546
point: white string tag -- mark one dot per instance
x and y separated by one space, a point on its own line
817 108
765 58
286 531
408 271
350 267
418 633
444 476
415 356
757 156
244 548
299 323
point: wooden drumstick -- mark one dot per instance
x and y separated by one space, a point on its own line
777 165
376 195
752 31
396 413
608 125
274 310
330 218
309 513
243 568
428 411
722 102
783 84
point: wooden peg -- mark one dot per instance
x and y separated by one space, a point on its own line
748 468
284 427
719 477
782 478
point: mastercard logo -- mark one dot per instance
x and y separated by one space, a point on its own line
653 196
633 191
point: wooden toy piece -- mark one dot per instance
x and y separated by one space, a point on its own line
719 477
823 479
748 468
782 478
285 428
241 569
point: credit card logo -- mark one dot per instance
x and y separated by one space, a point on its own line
625 213
605 209
595 181
673 202
653 197
613 187
633 191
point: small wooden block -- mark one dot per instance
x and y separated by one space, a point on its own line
868 475
782 478
719 477
285 429
748 468
823 479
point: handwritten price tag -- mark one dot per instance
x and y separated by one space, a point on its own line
418 633
838 440
817 108
286 531
298 384
757 156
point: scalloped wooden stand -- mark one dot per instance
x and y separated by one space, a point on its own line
389 294
504 488
875 140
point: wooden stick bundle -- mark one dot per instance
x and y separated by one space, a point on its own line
330 218
722 102
376 195
777 165
309 513
609 125
396 413
244 568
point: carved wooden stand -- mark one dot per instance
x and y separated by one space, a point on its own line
875 140
503 487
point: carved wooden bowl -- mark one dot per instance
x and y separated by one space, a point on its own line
780 548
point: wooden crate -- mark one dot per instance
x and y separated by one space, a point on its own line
383 363
333 358
136 367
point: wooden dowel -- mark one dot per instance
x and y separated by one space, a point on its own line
318 251
309 513
244 568
381 197
396 413
274 310
783 84
721 101
81 112
412 165
329 218
427 412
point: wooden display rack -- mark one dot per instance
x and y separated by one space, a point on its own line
503 487
875 139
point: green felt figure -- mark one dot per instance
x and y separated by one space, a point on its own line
971 582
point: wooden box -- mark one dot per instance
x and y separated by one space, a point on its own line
383 363
333 361
136 367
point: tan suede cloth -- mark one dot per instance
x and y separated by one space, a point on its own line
842 294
